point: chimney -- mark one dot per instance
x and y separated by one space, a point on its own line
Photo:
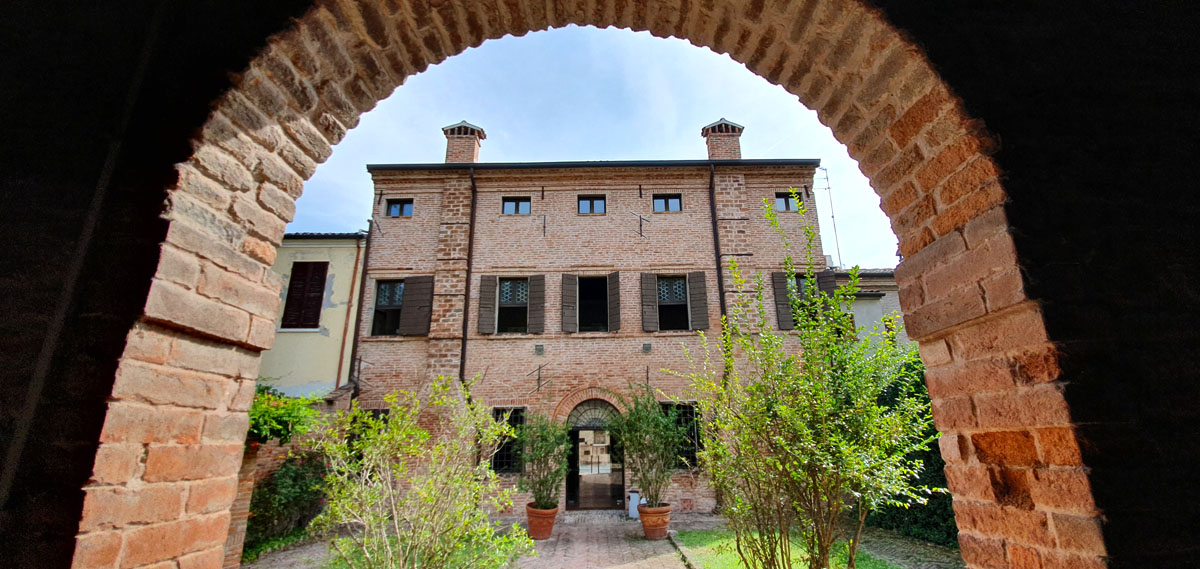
462 142
723 143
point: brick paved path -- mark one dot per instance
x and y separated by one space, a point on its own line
602 546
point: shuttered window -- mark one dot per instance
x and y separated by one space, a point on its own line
389 300
403 307
512 305
591 304
826 283
305 292
674 302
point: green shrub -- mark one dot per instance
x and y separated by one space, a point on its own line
275 416
933 521
286 501
415 483
545 445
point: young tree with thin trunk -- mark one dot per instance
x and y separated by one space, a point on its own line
802 425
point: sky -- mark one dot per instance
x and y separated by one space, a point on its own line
579 93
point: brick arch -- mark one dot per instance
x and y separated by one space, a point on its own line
572 400
1013 463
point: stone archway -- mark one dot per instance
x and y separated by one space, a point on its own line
1013 463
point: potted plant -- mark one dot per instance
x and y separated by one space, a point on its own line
651 438
544 446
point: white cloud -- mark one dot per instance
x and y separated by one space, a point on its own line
589 94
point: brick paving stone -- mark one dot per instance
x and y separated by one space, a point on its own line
602 545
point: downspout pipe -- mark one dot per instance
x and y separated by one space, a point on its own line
716 235
355 365
358 251
462 355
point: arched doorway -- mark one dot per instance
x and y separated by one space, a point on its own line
997 371
595 471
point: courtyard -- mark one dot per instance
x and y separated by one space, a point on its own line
610 540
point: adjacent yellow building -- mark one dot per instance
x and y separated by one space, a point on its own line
314 332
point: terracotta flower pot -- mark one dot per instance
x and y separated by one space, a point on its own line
541 522
655 520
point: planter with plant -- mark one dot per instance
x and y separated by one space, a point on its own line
544 445
651 438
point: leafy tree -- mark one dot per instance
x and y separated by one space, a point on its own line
650 438
800 426
274 415
414 485
544 445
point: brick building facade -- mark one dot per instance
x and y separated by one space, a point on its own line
579 277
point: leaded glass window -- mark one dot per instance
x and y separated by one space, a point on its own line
513 313
672 303
388 299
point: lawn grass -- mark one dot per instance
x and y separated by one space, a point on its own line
715 549
276 543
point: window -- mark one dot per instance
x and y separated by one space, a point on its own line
399 208
508 456
305 293
513 313
515 206
785 202
668 202
591 205
685 416
389 296
672 303
593 304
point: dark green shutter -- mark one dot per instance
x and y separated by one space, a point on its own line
416 306
537 304
697 300
614 301
827 281
487 304
649 302
570 303
783 308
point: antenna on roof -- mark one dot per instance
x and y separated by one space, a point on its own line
833 220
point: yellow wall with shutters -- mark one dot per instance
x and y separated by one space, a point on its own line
306 362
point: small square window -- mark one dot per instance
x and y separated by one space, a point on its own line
668 202
785 202
591 205
399 208
515 206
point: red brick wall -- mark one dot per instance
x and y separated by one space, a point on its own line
925 156
548 241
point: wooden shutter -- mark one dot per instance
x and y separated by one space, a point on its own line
826 281
614 301
487 304
649 302
306 291
416 306
697 300
570 303
783 309
536 322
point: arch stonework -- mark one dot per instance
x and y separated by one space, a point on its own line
568 403
166 470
